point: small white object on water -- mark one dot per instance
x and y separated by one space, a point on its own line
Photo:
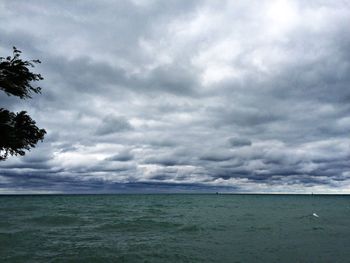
315 215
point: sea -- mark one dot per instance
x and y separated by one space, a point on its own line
175 228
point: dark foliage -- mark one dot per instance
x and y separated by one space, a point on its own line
15 76
18 131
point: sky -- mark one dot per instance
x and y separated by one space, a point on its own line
183 96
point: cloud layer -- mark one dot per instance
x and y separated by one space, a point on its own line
138 96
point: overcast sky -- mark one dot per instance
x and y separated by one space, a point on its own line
179 95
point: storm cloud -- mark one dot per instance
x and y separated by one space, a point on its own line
235 96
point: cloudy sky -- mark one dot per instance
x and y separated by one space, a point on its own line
179 95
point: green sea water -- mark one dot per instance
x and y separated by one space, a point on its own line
175 228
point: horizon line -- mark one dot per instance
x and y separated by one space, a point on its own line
172 193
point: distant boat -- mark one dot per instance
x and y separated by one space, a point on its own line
315 215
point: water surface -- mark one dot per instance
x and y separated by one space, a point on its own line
174 228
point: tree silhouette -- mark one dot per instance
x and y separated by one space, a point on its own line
18 131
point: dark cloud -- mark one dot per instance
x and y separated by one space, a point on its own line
123 156
216 157
112 124
239 142
164 161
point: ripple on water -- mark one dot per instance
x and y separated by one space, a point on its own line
190 228
138 225
59 220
